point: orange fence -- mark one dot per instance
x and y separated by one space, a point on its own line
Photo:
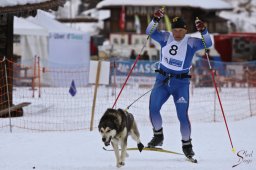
47 103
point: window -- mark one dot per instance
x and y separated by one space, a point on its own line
130 26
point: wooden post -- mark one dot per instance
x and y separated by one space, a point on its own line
34 77
39 76
8 94
6 49
248 91
95 93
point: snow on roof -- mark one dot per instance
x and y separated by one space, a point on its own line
47 21
99 14
7 3
242 20
204 4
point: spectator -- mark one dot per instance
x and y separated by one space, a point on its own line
145 56
133 55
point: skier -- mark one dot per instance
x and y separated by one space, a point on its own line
177 51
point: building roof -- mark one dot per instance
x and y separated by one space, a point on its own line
206 4
28 7
7 3
47 21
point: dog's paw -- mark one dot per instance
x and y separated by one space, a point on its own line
120 164
140 146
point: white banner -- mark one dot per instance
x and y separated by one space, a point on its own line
104 72
69 48
69 51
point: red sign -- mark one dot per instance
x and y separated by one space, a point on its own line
122 19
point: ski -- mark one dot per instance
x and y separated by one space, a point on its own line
190 159
149 149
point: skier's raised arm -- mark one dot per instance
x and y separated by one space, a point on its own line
198 45
159 36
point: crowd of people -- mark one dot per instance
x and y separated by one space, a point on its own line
144 56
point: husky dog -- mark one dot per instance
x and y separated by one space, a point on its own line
115 126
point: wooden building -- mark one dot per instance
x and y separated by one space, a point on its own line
188 10
9 9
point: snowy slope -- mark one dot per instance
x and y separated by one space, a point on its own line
83 150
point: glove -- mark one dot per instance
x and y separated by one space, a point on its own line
199 25
158 15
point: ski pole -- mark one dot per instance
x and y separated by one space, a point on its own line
216 89
135 62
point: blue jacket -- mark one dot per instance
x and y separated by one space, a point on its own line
164 38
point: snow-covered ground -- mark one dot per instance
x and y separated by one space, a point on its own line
82 150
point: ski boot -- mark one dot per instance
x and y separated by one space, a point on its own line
187 148
158 138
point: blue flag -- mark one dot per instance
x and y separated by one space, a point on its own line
72 89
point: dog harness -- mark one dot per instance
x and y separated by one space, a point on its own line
127 121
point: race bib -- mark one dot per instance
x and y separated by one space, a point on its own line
174 53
